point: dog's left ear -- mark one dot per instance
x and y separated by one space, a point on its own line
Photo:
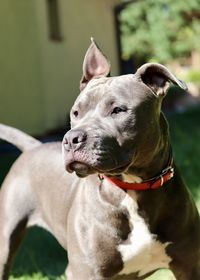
157 77
95 64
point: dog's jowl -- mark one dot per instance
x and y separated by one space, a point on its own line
110 192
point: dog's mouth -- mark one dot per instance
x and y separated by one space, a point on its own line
83 169
85 163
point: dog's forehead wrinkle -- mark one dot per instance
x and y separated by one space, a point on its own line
111 91
121 90
85 101
129 88
123 81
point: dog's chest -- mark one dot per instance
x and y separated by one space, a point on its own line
141 252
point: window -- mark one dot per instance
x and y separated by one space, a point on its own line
54 20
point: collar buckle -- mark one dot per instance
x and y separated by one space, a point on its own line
165 175
169 169
101 177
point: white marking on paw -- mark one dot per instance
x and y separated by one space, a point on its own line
141 252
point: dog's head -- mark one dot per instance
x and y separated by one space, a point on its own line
115 121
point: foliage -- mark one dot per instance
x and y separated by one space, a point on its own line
160 30
193 76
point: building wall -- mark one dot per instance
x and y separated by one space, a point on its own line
41 81
20 80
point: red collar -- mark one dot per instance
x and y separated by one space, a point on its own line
153 183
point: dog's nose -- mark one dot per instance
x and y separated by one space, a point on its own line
74 139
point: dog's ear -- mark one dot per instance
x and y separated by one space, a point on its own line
157 77
95 64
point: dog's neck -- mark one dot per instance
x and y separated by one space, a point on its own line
136 174
132 182
158 162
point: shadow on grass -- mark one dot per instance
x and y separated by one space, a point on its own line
6 161
41 253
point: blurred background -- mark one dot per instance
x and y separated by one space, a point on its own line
42 46
43 43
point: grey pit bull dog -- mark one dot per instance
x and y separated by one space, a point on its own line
128 212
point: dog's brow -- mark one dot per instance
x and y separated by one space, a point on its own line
109 102
80 105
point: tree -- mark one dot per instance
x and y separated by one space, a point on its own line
161 30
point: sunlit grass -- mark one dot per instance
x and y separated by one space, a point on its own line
161 275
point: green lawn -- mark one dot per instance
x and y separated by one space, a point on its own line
41 257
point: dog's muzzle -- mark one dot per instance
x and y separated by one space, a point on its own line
73 142
87 153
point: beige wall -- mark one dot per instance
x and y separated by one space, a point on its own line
41 81
20 96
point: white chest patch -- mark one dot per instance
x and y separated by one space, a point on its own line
141 252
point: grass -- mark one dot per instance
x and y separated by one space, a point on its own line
185 135
41 257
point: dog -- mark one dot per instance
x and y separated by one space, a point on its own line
123 212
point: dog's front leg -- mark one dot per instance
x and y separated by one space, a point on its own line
73 273
4 252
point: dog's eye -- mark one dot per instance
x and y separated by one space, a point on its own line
118 110
75 113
